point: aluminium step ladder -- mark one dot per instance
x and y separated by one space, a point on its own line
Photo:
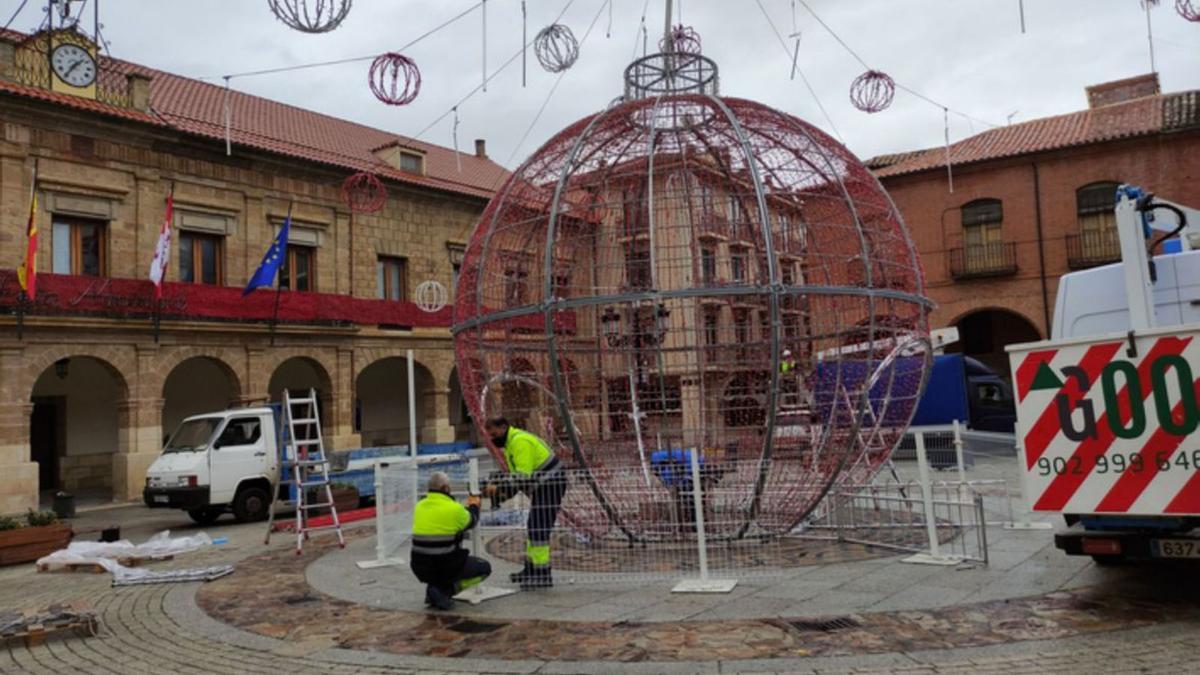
303 466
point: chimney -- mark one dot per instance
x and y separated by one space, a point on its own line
1119 91
139 91
481 148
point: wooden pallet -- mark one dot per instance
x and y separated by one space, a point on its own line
36 634
96 568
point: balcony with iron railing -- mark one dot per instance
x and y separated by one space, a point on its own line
1092 248
983 260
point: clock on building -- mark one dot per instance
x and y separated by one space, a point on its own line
73 65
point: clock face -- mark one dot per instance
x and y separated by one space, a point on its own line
73 65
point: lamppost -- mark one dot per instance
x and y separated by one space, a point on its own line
610 323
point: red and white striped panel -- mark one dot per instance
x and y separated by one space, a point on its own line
1090 468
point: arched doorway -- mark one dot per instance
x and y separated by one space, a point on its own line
75 425
381 401
984 334
299 374
197 385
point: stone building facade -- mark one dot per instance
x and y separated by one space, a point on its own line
1033 201
89 386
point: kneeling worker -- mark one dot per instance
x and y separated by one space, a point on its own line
438 558
534 470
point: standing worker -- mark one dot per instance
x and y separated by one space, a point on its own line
534 470
438 558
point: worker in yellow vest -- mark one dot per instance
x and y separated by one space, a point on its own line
788 363
534 470
438 558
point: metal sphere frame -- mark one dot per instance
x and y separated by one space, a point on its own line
1188 9
682 40
395 79
562 320
556 48
321 17
363 192
872 91
431 296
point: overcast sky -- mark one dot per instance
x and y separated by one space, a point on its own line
967 54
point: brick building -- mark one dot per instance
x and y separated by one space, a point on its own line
1033 201
87 389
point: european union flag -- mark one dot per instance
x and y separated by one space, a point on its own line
274 257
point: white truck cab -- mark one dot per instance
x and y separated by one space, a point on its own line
218 462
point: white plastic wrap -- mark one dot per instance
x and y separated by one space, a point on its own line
107 554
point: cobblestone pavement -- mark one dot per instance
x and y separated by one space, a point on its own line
162 629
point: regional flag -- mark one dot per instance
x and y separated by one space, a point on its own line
27 271
272 260
162 251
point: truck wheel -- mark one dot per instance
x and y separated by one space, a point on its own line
205 516
1108 560
251 504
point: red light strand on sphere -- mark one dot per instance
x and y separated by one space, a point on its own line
363 193
310 16
683 40
395 79
872 91
1188 10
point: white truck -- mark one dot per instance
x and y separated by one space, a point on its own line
1108 409
218 462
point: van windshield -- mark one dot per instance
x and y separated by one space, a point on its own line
192 435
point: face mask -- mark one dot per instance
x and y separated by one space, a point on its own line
500 439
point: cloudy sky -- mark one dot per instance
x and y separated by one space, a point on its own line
969 55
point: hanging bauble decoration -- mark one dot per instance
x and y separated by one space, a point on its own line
363 193
1188 9
556 48
431 296
872 91
395 79
310 16
683 40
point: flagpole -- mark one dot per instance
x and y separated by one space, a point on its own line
158 303
279 286
23 299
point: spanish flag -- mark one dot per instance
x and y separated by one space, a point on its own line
27 272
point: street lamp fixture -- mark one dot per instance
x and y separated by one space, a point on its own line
610 326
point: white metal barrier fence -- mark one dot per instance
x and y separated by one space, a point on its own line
399 484
629 524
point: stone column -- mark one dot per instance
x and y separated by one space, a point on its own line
18 474
435 418
139 442
341 434
254 379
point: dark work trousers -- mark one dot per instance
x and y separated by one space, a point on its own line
544 502
448 572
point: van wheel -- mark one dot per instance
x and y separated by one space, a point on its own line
205 516
251 504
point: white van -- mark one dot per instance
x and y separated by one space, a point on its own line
218 462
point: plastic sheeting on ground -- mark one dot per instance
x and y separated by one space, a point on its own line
110 554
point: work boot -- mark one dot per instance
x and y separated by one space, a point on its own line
520 577
438 599
537 578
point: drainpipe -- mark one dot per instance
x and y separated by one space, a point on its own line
1037 210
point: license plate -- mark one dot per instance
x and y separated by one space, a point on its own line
161 499
1177 548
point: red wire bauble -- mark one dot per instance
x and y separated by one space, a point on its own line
872 91
363 193
1188 10
395 79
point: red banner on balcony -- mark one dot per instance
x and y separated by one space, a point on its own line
69 295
